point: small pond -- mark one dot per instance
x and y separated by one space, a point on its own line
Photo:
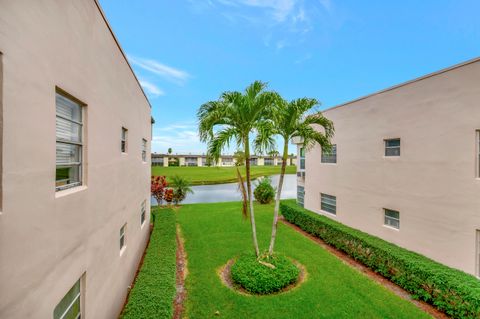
229 192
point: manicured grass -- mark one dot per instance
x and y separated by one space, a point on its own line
154 290
215 233
216 175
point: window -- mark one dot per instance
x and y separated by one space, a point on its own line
69 130
144 150
268 161
253 162
477 257
392 147
124 140
328 203
302 158
191 161
70 305
300 195
142 214
478 153
123 241
392 218
330 157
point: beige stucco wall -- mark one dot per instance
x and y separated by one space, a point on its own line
47 239
432 184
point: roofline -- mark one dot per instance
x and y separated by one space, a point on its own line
121 50
429 75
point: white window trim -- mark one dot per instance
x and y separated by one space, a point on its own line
477 154
144 151
81 143
124 140
124 235
385 147
327 212
385 216
143 210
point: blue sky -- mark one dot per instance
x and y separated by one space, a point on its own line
186 52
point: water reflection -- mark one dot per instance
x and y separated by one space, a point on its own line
229 192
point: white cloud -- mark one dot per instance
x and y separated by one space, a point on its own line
167 72
151 89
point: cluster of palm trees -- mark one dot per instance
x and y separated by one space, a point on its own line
253 119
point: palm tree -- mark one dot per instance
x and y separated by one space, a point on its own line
181 187
235 116
294 120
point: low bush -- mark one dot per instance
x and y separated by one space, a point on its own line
260 278
155 287
264 192
451 291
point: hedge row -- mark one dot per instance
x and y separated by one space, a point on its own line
449 290
155 287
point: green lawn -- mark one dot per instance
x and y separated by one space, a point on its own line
216 175
214 233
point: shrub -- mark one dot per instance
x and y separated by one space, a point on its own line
259 278
451 291
155 287
264 192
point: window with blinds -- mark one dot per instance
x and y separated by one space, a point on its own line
328 203
70 305
478 154
330 157
69 129
144 150
123 145
392 147
392 218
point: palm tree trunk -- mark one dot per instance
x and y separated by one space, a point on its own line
250 197
277 200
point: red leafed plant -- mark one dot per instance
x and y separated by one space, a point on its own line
157 187
168 195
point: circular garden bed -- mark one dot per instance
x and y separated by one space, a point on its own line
262 276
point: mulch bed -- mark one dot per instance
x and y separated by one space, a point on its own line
399 291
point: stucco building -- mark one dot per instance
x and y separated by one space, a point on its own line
75 163
406 166
224 160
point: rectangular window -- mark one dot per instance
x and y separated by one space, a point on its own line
300 195
70 305
123 241
392 147
392 218
477 257
478 153
69 131
328 203
268 161
143 211
123 145
302 158
144 150
330 157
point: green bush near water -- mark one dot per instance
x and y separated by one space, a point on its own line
451 291
264 192
155 287
258 278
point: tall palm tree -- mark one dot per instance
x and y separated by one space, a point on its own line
295 120
235 116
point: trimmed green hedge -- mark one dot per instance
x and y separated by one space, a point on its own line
451 291
155 288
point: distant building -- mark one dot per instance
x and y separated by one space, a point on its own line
406 166
75 132
225 160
